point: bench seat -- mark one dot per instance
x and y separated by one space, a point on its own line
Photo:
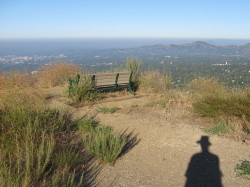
112 81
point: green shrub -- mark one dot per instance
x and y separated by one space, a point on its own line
29 136
86 125
104 144
67 158
134 66
209 106
66 178
243 169
84 90
212 99
27 162
237 104
107 110
221 128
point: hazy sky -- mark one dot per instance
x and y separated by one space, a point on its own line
124 19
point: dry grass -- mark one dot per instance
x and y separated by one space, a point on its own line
240 128
56 74
206 86
154 82
212 99
21 97
30 135
17 79
180 98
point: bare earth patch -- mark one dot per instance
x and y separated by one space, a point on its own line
167 140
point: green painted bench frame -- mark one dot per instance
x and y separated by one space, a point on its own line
72 82
109 87
115 85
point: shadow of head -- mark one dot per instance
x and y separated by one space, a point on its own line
204 142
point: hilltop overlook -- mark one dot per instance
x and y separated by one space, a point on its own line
124 93
146 138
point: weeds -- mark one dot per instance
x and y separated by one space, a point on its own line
86 125
29 135
158 101
243 169
212 99
66 178
84 90
207 87
107 110
104 144
134 66
69 157
155 82
219 129
56 74
134 105
17 79
236 104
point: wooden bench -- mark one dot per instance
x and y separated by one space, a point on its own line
112 81
107 81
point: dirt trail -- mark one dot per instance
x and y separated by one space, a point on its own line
166 141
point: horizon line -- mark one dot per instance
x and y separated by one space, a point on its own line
101 38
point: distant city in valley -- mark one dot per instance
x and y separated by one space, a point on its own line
221 59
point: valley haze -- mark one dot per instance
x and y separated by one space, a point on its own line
185 59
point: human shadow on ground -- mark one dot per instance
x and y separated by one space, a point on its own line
204 168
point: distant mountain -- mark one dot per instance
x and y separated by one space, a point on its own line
245 48
197 48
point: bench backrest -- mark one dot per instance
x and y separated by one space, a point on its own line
111 79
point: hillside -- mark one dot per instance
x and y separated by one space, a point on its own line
162 142
52 134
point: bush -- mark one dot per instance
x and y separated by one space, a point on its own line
134 66
68 157
56 74
221 128
17 79
155 81
66 178
243 169
29 135
236 104
207 87
86 125
211 99
107 110
84 90
105 145
159 101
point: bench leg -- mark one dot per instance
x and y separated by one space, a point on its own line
130 88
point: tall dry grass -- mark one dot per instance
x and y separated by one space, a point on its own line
56 74
207 86
30 136
212 99
134 66
154 81
17 79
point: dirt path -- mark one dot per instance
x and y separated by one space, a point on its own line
165 143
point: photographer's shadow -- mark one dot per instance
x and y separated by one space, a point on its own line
204 168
